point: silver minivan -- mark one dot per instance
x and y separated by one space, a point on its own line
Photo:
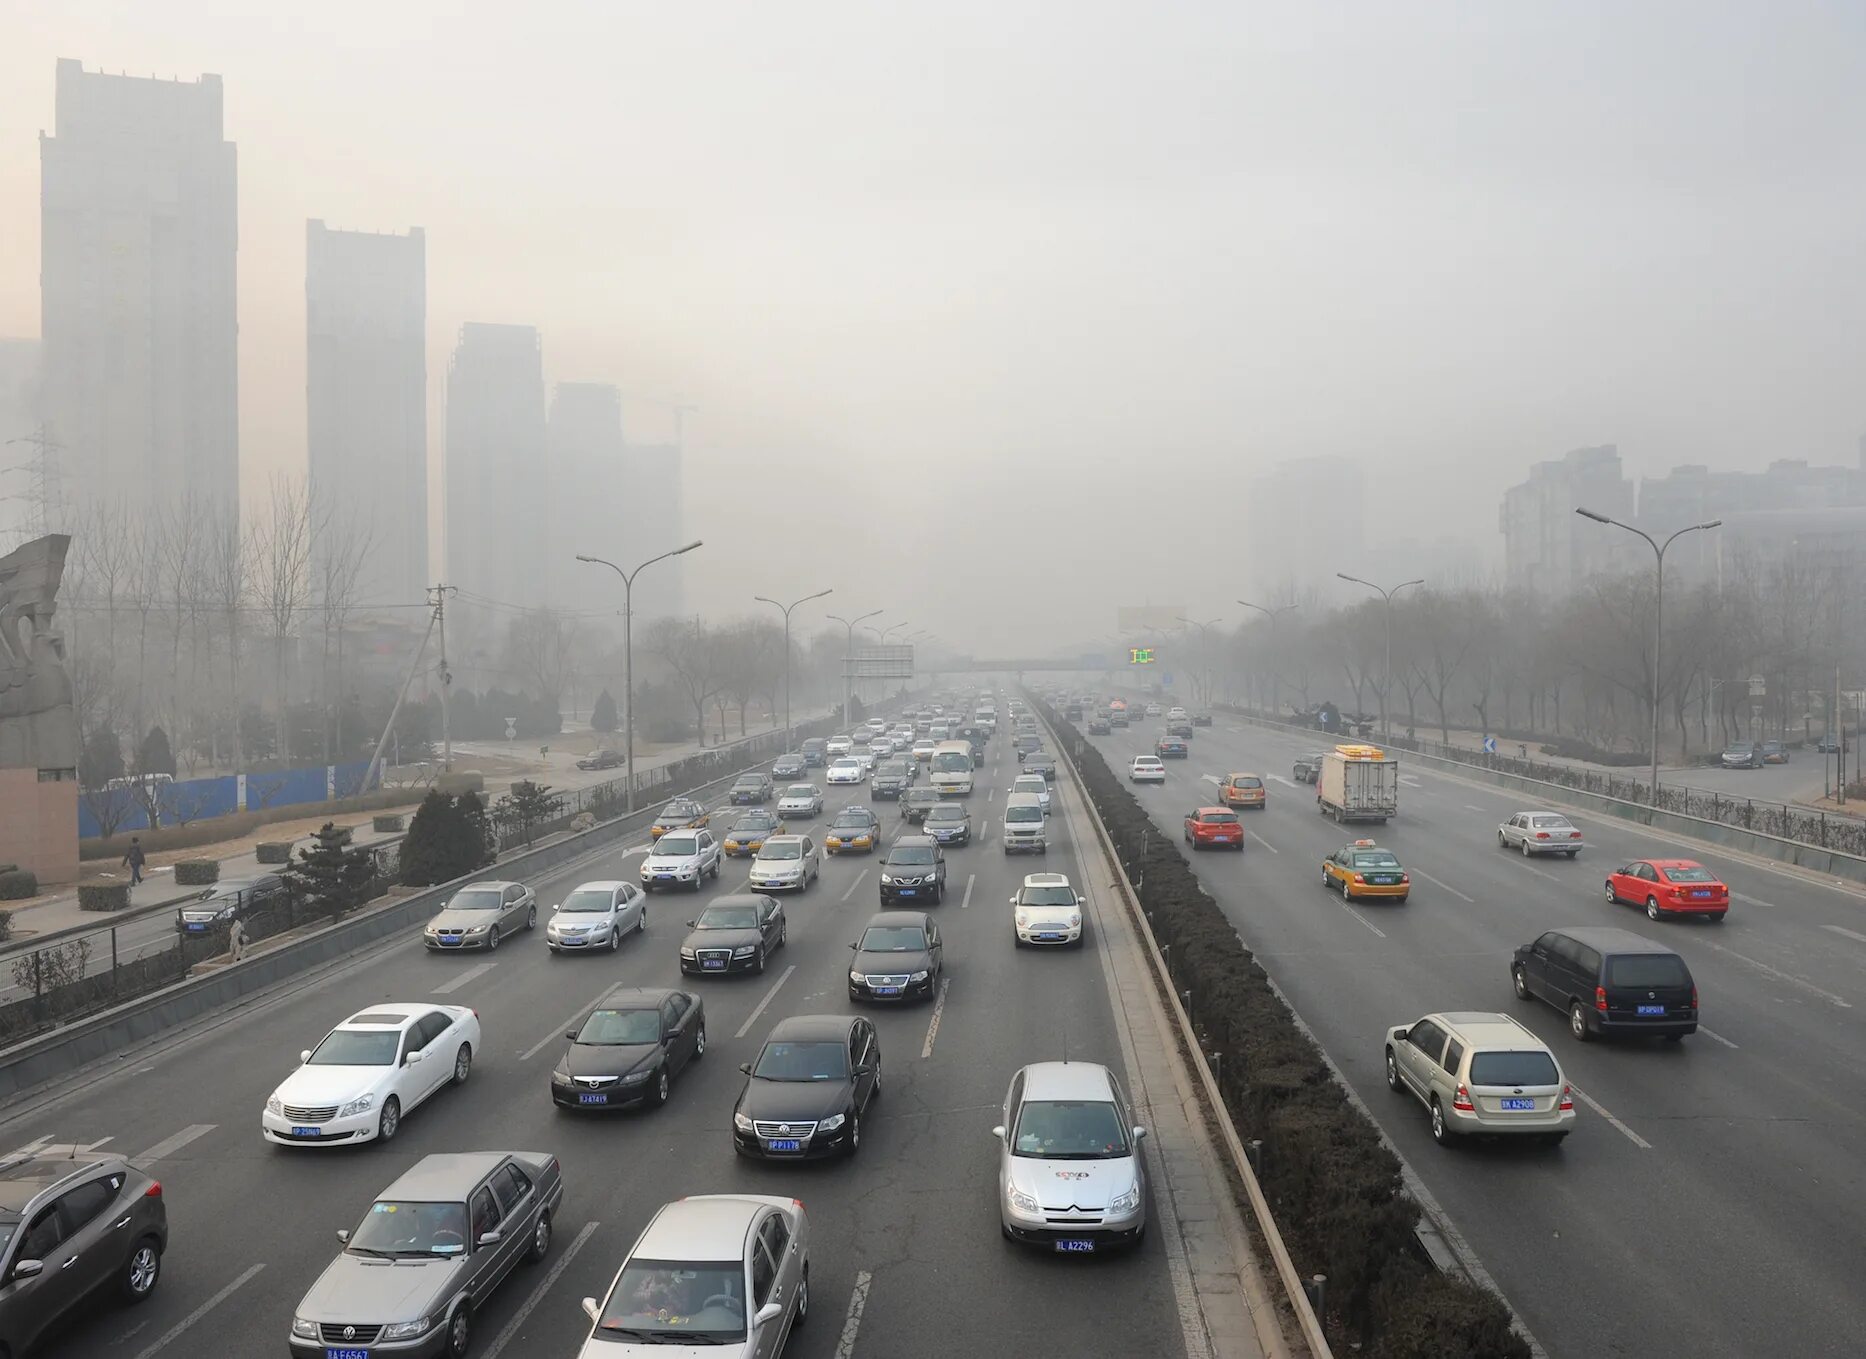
1024 830
1478 1072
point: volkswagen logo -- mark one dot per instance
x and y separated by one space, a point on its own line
783 1127
349 1332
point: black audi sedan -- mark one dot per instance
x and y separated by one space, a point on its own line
808 1090
898 957
629 1051
735 933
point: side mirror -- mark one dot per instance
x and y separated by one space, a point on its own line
571 1034
1013 901
998 1132
28 1269
412 1058
557 906
865 1069
304 1056
746 1067
690 924
592 1311
343 1235
491 1238
851 945
1140 1133
769 1313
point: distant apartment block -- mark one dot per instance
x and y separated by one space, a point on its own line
20 416
366 402
139 227
1547 548
1791 505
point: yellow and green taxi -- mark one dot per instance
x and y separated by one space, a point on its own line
748 833
854 828
1363 869
1242 790
683 813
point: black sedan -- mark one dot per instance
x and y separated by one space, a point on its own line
230 900
1041 762
807 1092
1201 719
1099 726
1180 727
948 823
1171 747
750 790
630 1051
788 767
899 957
917 802
602 759
734 934
890 780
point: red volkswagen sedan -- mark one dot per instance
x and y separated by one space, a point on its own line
1669 887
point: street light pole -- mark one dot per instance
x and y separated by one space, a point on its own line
1386 676
786 608
1658 614
1205 651
1276 697
628 649
848 674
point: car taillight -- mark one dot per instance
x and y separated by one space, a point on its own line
1600 999
1567 1099
1461 1100
1694 997
154 1191
1542 835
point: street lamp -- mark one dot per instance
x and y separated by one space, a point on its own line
628 648
1658 614
1276 698
1204 651
786 608
1386 676
848 659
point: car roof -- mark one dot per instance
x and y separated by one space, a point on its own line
1672 863
600 885
1067 1080
896 919
500 883
635 998
1213 811
736 899
1609 939
444 1176
1046 880
23 1180
1023 799
912 842
811 1026
1244 774
783 840
1488 1029
399 1013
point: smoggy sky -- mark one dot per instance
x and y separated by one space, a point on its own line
983 253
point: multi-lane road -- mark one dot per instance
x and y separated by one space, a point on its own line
1710 1201
907 1258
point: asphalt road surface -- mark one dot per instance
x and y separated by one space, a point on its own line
1711 1198
906 1255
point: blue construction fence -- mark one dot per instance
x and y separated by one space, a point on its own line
128 807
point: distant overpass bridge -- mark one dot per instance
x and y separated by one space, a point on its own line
1027 664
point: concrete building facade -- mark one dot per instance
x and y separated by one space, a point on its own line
1550 550
21 427
1769 512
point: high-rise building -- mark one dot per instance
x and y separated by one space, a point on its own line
1550 550
1764 513
139 228
366 402
653 520
21 465
592 511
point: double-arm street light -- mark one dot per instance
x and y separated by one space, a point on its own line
1658 614
786 608
628 648
848 657
1276 696
1386 674
1205 633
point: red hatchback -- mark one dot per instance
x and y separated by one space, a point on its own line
1214 826
1669 887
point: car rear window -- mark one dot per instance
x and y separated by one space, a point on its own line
1513 1068
1648 969
1692 874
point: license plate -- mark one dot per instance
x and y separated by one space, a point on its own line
712 964
783 1144
1651 1009
1524 1104
1700 894
1385 879
330 1352
1075 1245
1049 938
1222 839
305 1132
449 943
592 1099
906 892
196 925
663 877
888 990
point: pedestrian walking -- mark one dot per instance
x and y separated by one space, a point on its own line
134 860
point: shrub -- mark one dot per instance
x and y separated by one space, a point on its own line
330 874
6 924
448 838
273 852
197 872
17 884
389 821
104 896
1571 748
603 715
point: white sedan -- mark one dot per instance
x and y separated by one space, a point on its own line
801 799
846 770
368 1072
1146 769
840 745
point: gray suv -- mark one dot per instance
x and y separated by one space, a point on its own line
72 1226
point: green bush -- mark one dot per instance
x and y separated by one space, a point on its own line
197 872
389 822
18 884
448 838
104 896
273 852
6 924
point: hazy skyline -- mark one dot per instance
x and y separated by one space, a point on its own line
984 256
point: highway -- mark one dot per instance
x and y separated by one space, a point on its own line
1711 1198
906 1258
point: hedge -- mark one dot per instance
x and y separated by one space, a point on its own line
197 872
1333 1185
16 884
273 852
389 822
104 896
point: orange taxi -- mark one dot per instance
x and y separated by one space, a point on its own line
1242 790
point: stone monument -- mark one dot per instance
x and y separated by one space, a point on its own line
38 723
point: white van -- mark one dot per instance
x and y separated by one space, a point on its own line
1024 827
951 768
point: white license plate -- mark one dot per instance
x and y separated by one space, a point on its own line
1515 1104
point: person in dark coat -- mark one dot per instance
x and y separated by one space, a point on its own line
134 861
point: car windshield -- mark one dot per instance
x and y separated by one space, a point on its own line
476 899
952 761
357 1047
1219 818
1033 784
1048 896
1738 750
1647 969
912 854
1550 822
1513 1068
1691 874
761 821
675 845
1375 858
728 918
676 1302
588 901
611 1028
803 790
943 812
678 811
1023 813
817 1061
748 785
783 849
1146 762
894 939
1069 1130
393 1228
846 763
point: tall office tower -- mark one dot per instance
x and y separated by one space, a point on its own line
366 379
22 460
1547 548
139 228
593 514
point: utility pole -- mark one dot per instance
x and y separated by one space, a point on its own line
414 668
785 609
43 467
848 661
437 596
1276 693
1386 674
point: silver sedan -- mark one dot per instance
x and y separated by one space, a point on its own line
596 915
1540 833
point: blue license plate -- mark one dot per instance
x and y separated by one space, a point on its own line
1524 1104
332 1352
1700 894
1651 1009
449 943
1075 1245
783 1144
663 877
197 925
305 1132
1384 879
888 990
1049 938
713 964
592 1099
906 892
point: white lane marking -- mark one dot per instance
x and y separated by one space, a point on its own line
636 849
1212 779
939 1008
28 1149
852 1324
1447 886
1540 872
1781 976
168 1146
1344 905
557 1031
970 878
537 1294
1469 808
1850 934
447 988
857 883
990 793
1748 900
1598 1108
174 1332
1410 781
1715 1037
1287 783
752 1018
1260 840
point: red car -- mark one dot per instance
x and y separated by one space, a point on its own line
1214 826
1669 887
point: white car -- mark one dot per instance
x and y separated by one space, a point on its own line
1046 911
881 747
1068 1129
1175 714
596 915
1146 769
1153 710
876 724
801 799
365 1075
840 745
923 750
846 770
681 858
1540 833
1036 785
785 863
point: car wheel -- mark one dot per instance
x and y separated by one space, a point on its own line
1652 908
492 940
463 1064
615 939
1441 1131
715 870
641 921
699 1043
1325 880
855 1133
531 918
1520 980
1613 898
459 1333
1393 1076
784 935
1577 1023
540 1239
141 1271
758 965
802 1313
1525 849
658 1096
390 1120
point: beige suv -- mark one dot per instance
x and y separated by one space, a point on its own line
1480 1073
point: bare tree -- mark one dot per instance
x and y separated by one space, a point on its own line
541 645
691 652
183 582
282 581
342 551
227 575
109 557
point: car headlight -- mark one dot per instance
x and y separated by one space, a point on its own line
362 1104
1128 1202
560 1077
406 1330
919 976
224 913
741 1122
688 954
886 879
856 977
477 929
1075 922
275 1105
637 1077
745 951
1022 1201
830 1124
1023 920
304 1329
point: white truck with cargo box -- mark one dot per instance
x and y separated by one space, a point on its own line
1358 783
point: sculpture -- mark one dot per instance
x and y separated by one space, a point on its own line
38 722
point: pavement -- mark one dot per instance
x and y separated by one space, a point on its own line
905 1260
1710 1198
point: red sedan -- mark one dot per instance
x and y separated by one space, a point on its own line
1210 826
1669 887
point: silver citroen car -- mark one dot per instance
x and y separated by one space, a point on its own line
1071 1177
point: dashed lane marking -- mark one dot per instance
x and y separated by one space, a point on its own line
512 1327
1849 934
752 1018
180 1328
939 1008
966 901
168 1146
1358 916
857 883
1781 976
1600 1109
1715 1037
852 1324
1445 885
448 987
1260 840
